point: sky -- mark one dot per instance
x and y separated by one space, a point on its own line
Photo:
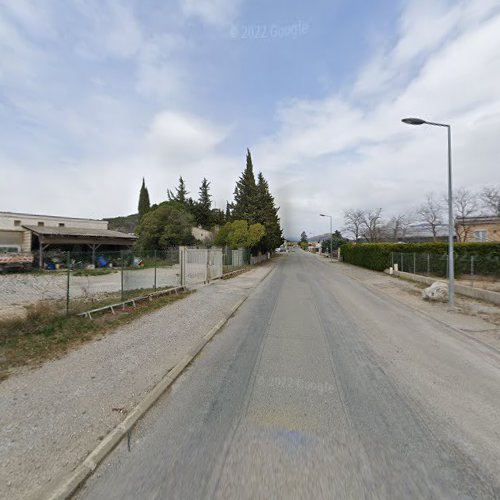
97 94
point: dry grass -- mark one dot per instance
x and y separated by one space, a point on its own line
46 333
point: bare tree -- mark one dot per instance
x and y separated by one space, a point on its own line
397 226
371 224
431 214
353 220
490 199
465 204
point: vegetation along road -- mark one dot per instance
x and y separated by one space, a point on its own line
319 387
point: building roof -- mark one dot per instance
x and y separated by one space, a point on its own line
480 219
22 214
76 232
422 229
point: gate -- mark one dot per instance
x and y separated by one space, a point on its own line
200 265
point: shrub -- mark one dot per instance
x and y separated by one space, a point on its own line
377 256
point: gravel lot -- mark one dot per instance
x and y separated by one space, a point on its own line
62 409
22 289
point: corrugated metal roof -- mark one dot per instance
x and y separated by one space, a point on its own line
72 231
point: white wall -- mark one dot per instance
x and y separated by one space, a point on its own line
10 233
7 221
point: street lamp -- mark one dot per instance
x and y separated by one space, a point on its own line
451 224
331 236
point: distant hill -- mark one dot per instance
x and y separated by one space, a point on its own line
319 237
125 224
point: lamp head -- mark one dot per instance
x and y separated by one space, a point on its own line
413 121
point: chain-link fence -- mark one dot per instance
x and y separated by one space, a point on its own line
81 280
78 281
235 259
431 264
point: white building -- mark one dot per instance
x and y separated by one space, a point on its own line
13 231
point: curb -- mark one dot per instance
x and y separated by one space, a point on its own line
465 290
73 480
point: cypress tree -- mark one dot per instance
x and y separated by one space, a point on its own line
245 194
144 203
229 208
267 215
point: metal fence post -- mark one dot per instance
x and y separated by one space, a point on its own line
121 277
428 263
154 286
472 269
402 261
414 263
68 266
182 265
207 264
392 260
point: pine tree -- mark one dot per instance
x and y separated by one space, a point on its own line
144 203
180 193
267 215
203 212
245 194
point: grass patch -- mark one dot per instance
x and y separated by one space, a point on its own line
47 334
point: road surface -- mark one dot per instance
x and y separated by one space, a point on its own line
319 387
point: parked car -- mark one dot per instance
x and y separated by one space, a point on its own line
11 259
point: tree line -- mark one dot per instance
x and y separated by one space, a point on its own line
250 221
370 225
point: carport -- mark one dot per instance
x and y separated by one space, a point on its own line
92 238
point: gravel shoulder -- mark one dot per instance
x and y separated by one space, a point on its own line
54 415
475 319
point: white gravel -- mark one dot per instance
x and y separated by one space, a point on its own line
53 416
21 289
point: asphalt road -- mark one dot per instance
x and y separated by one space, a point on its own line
320 388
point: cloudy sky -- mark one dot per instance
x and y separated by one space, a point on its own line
96 94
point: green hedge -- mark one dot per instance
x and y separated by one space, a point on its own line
377 256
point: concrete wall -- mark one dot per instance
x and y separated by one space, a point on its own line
467 291
201 234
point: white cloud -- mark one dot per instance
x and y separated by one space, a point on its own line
159 72
20 59
215 12
178 138
34 17
110 29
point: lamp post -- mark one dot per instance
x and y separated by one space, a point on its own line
451 224
331 235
